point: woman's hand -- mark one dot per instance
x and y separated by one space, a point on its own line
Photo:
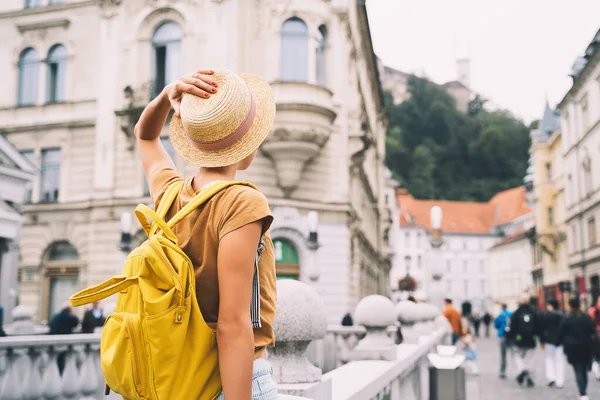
200 84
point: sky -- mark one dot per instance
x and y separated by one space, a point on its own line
521 51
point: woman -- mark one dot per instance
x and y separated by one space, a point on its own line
594 313
576 336
220 119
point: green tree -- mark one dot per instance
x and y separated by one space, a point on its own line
420 180
439 152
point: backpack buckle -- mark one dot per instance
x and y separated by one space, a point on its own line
179 314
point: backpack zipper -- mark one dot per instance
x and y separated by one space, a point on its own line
139 354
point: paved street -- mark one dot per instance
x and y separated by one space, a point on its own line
487 386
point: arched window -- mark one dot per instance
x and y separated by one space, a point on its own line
57 74
29 72
294 50
33 3
61 270
322 56
166 53
286 260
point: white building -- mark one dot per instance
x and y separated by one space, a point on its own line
580 127
76 74
511 261
469 231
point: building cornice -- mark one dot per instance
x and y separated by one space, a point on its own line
583 138
48 9
58 23
85 123
371 60
578 214
133 201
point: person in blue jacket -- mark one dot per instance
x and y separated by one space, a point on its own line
502 325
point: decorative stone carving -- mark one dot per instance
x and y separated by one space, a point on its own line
135 101
376 313
109 8
300 319
291 150
302 127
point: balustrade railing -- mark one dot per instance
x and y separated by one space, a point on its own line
30 367
311 360
335 349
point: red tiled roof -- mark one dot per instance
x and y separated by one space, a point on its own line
463 216
510 204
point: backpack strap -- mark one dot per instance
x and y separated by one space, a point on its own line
169 197
255 305
103 290
202 197
143 212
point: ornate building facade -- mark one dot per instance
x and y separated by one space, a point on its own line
78 73
546 190
580 127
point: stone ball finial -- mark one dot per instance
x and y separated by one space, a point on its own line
22 313
300 313
375 311
407 312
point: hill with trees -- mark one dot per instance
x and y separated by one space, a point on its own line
437 152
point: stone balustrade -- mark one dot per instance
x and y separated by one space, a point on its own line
361 362
29 367
374 365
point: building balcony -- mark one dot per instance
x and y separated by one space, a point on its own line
71 114
310 360
302 127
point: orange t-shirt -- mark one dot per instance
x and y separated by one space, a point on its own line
200 232
453 316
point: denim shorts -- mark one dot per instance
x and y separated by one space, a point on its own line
263 383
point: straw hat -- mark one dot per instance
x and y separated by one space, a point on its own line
228 126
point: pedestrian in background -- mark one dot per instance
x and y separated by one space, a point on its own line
347 320
524 327
2 333
555 359
502 323
63 323
476 322
93 318
470 348
594 313
487 320
576 335
455 319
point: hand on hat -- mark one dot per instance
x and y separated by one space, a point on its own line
200 84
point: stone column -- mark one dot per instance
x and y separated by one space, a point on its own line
106 123
300 319
376 313
9 260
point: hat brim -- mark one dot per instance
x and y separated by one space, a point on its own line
265 115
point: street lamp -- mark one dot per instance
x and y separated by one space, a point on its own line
313 224
436 227
313 244
407 259
126 244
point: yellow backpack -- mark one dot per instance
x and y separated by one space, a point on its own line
156 345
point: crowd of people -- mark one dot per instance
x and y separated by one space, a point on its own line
571 337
